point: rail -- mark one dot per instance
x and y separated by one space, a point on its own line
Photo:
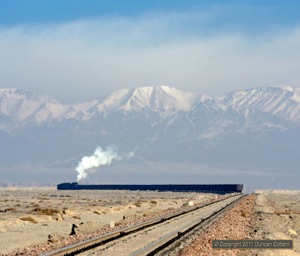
105 238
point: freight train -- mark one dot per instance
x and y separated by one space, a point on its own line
203 188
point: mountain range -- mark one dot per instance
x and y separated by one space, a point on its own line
254 131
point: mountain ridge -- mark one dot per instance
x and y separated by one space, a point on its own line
27 107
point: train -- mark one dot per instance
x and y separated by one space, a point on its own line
203 188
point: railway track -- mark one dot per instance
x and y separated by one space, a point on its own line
147 238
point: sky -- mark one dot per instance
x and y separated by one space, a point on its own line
78 50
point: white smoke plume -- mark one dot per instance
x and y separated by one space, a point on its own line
100 157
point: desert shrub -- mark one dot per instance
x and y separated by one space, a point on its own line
153 202
46 211
42 198
76 217
139 203
96 212
244 213
287 212
12 209
30 219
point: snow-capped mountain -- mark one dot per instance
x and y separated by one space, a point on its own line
257 127
282 102
23 107
18 108
159 99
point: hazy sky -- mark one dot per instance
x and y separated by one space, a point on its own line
77 50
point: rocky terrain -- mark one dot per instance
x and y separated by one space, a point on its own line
277 216
264 215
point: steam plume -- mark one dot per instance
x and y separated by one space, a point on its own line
100 157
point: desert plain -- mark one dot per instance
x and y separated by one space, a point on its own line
29 215
34 219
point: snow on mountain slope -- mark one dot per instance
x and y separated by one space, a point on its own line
23 106
283 102
160 99
239 109
83 111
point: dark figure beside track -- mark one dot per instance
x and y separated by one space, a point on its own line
73 233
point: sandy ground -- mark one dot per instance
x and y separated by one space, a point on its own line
277 216
233 225
29 215
263 215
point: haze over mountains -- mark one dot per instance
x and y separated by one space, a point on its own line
176 136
